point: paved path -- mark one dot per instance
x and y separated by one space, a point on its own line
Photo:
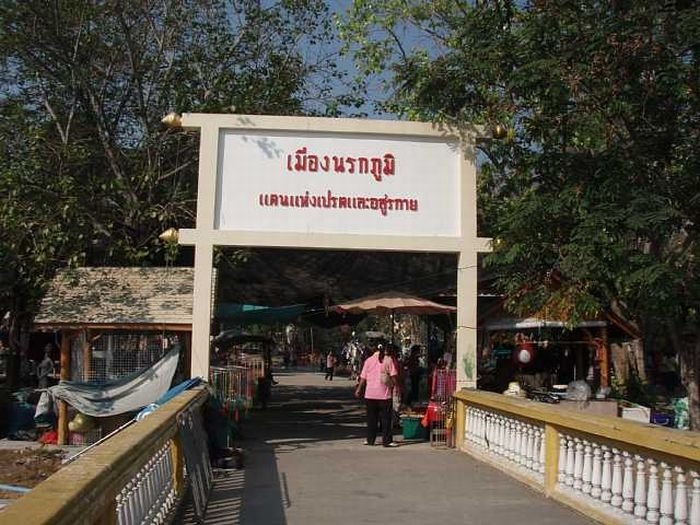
305 465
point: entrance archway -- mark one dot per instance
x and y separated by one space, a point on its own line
337 184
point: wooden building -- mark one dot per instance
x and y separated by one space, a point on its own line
112 322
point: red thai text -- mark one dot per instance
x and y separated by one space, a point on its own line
304 161
383 204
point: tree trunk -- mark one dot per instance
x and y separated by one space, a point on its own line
690 376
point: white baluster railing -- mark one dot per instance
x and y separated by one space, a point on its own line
619 471
506 439
150 495
631 488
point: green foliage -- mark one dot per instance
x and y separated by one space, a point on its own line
593 196
87 172
597 179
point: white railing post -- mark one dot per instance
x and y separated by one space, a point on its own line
606 479
587 474
501 435
570 452
666 495
529 447
480 427
561 468
522 443
578 464
680 508
514 441
616 500
597 472
542 451
695 499
640 490
628 484
653 495
507 449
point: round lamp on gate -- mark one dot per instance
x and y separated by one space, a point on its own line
170 235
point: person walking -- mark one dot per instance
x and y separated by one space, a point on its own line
330 366
377 378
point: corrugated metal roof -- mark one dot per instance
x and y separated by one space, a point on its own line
119 296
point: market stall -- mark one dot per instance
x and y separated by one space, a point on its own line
113 323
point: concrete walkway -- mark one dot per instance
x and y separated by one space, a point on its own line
305 464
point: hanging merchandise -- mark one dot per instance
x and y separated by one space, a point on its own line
524 352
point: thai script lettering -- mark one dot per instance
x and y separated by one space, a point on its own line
304 161
383 204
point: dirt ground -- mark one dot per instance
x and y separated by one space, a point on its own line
27 467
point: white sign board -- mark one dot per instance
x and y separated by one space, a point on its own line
303 182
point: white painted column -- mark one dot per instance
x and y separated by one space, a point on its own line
466 319
201 310
203 251
467 351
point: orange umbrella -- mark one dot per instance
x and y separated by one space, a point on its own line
391 302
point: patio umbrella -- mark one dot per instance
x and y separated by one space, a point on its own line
393 302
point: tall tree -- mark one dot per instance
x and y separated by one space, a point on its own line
597 179
88 173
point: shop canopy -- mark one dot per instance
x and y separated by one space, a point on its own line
246 314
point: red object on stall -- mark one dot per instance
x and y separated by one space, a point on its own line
50 437
524 352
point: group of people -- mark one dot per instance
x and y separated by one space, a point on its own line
387 378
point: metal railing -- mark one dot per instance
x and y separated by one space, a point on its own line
614 470
137 476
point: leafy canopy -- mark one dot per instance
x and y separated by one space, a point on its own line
597 181
87 173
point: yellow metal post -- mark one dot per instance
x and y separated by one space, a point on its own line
551 458
178 465
460 423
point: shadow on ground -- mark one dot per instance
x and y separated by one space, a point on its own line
297 417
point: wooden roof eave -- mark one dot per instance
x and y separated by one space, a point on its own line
149 327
